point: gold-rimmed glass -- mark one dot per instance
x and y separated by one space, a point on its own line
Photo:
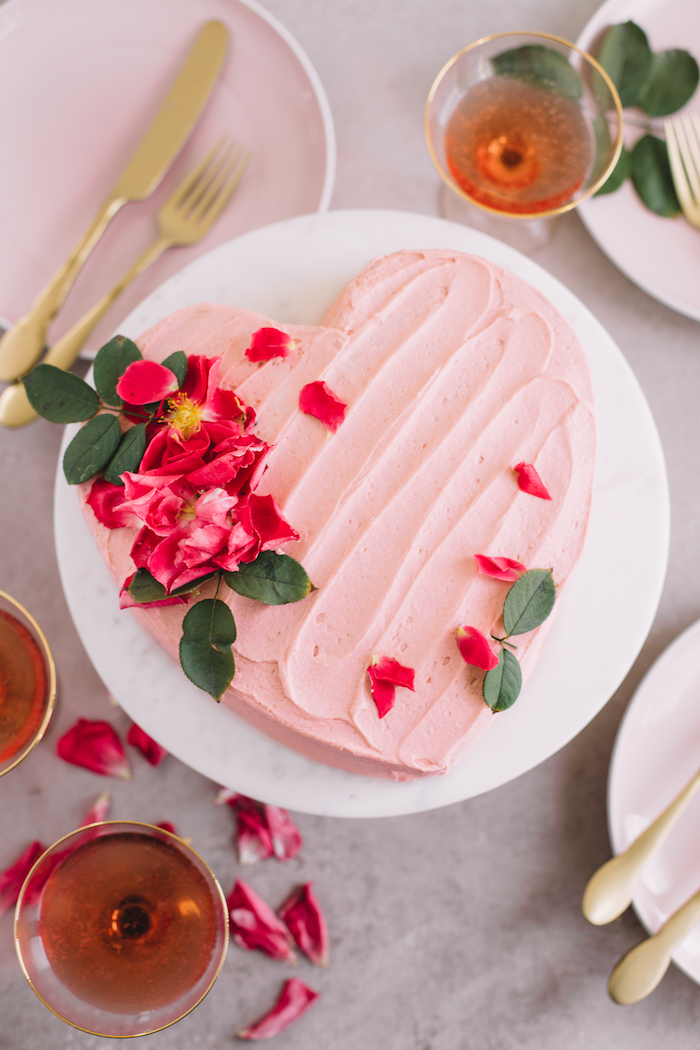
121 928
537 133
27 683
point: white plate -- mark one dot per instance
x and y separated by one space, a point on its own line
81 80
662 256
292 272
656 753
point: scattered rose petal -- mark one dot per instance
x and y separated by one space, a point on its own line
95 746
284 834
12 878
295 999
149 748
529 481
268 343
475 649
253 839
166 825
500 568
145 381
225 796
315 399
302 915
254 924
385 674
98 810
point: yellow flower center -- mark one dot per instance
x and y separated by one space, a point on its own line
185 415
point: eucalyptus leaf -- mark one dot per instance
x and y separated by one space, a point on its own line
208 632
59 396
672 82
91 449
618 175
128 455
540 66
111 363
626 57
529 601
275 579
502 684
651 176
177 363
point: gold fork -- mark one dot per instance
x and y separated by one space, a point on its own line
683 144
183 219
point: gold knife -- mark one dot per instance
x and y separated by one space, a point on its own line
22 344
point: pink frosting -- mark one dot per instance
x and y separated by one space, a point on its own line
453 371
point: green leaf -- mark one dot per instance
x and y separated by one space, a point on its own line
208 632
91 448
618 175
128 455
145 588
626 57
193 585
177 363
540 66
59 396
112 362
529 601
673 80
651 176
502 684
275 579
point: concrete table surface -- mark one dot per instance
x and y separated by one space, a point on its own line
458 929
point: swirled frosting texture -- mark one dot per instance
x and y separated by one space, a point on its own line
453 371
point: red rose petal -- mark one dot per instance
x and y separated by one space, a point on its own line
254 924
167 826
268 343
294 1000
385 673
149 748
316 399
105 500
302 915
284 834
500 568
253 839
383 694
12 879
94 746
98 810
529 481
475 649
146 381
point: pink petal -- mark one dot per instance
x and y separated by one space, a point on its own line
268 343
383 694
284 834
94 746
254 924
294 1000
529 481
253 839
316 399
98 810
306 922
12 879
385 673
105 500
500 568
146 381
475 649
149 748
167 826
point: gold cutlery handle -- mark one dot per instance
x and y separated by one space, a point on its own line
22 345
611 888
641 969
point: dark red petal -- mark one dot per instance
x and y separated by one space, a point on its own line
316 399
146 381
500 568
383 693
294 1000
302 915
264 517
12 878
254 924
284 834
105 500
98 810
149 748
268 343
167 826
529 481
475 649
253 839
94 746
387 669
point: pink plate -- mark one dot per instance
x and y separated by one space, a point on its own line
81 80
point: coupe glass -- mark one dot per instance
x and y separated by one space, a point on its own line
121 928
27 683
522 127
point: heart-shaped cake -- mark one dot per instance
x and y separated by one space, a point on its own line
454 372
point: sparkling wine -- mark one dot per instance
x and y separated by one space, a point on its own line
128 922
517 147
24 691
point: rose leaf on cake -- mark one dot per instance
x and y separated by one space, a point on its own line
317 399
529 602
303 916
275 579
208 632
500 568
294 1000
91 449
111 362
474 648
128 456
385 673
254 925
60 397
529 481
502 683
267 343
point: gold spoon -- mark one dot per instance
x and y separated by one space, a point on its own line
612 887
